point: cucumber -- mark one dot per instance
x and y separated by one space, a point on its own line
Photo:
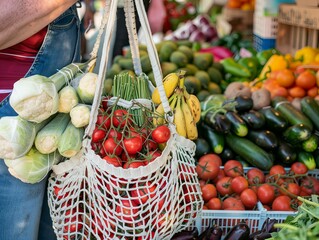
218 121
311 144
285 153
254 119
297 133
307 159
310 107
263 138
275 121
250 152
238 125
216 140
291 114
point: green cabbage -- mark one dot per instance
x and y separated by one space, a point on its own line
34 166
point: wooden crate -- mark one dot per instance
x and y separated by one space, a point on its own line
298 26
311 3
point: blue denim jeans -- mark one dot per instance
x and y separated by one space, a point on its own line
24 212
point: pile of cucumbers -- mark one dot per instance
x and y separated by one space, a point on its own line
276 134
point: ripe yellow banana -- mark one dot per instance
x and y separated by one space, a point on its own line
191 128
194 106
170 82
179 119
159 116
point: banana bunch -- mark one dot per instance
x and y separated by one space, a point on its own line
186 109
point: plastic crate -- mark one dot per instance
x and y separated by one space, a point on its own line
227 219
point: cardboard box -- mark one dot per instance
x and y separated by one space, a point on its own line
298 27
309 3
245 17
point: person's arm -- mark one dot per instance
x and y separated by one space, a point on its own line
21 19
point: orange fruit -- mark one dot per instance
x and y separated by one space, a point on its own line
285 78
312 92
306 80
233 4
297 91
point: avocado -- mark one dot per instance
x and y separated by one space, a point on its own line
179 58
203 60
215 75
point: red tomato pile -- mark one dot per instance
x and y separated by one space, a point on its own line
118 140
230 188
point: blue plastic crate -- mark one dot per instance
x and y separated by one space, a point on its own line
261 44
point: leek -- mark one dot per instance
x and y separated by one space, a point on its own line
70 142
34 166
68 98
80 115
17 136
36 98
47 139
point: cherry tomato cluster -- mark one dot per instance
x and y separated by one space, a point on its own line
231 188
120 142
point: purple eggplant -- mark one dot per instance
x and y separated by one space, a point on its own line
239 232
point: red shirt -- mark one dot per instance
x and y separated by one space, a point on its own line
15 61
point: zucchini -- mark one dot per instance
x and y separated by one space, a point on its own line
307 159
254 119
292 114
218 121
311 144
263 138
215 139
297 133
250 152
310 107
238 125
275 121
285 153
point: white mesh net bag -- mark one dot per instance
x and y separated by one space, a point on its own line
92 199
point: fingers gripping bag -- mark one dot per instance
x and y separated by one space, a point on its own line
113 196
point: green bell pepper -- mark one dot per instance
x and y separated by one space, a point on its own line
252 64
234 68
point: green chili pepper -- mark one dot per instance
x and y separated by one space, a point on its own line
252 64
238 79
263 56
235 68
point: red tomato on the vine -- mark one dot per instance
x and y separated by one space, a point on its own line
282 203
223 186
115 161
239 184
266 193
161 134
110 146
249 198
133 145
121 118
98 135
233 168
207 169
